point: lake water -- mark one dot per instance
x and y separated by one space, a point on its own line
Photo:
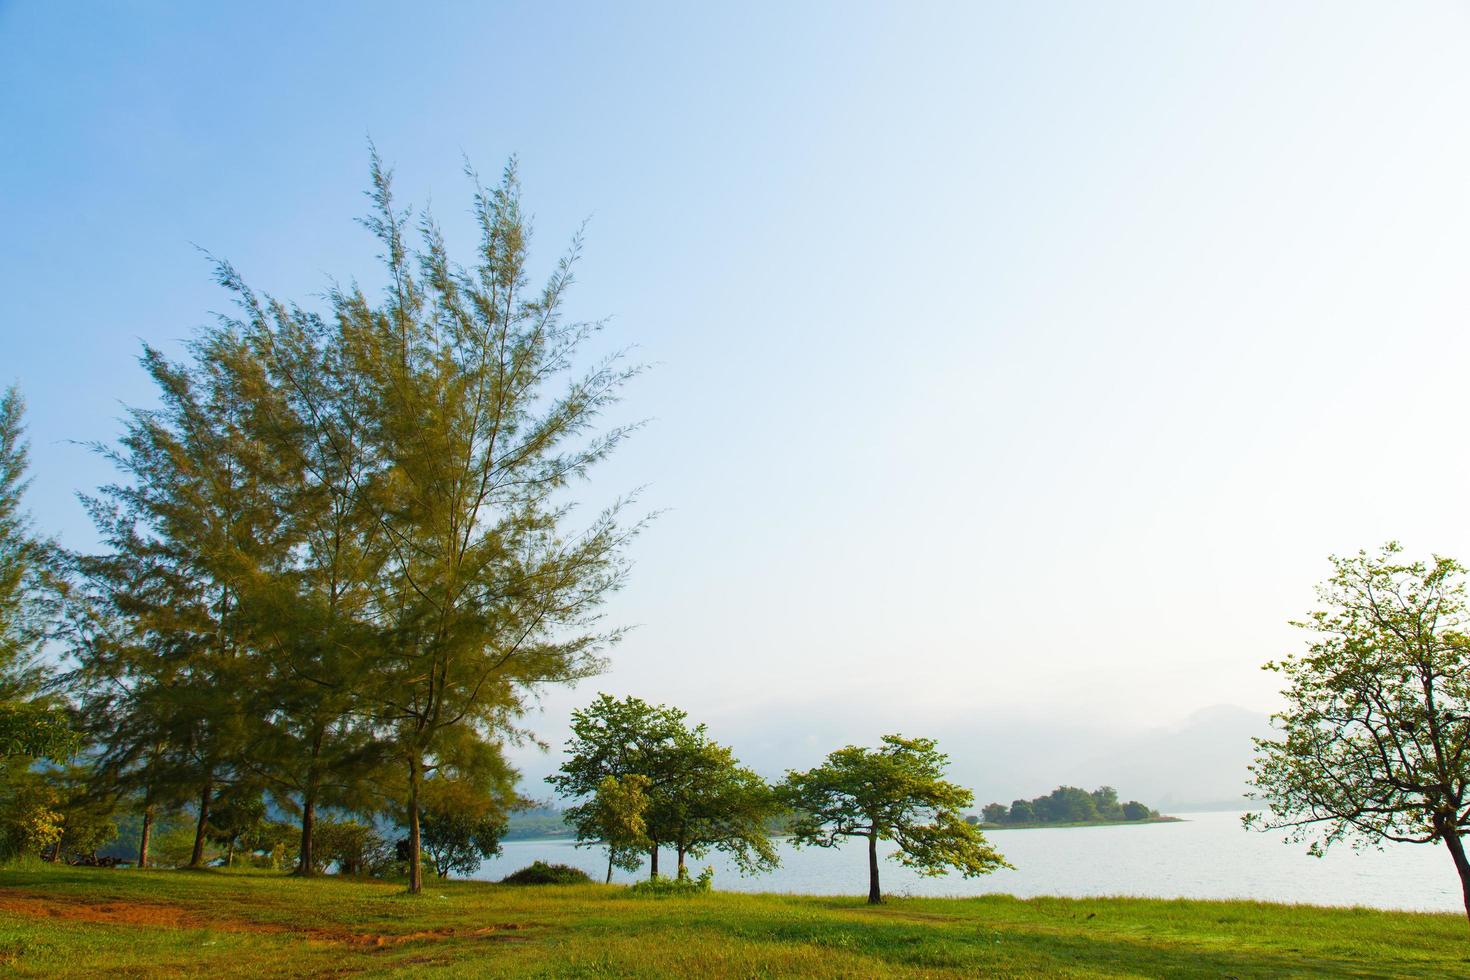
1207 855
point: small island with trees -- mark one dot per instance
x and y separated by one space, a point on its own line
1068 806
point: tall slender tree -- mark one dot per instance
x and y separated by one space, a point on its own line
30 725
435 434
194 519
310 737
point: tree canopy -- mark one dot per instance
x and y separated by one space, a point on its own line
897 793
343 550
1068 804
31 725
697 797
1374 742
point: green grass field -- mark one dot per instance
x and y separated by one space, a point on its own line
87 922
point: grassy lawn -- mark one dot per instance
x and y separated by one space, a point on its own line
89 922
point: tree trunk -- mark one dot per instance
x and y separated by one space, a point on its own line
1451 836
306 858
230 854
197 858
56 852
875 897
143 837
653 861
683 872
415 857
306 863
608 880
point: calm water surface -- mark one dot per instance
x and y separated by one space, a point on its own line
1206 856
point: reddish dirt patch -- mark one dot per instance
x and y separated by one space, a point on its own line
172 917
122 913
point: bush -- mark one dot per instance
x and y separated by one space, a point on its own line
541 873
30 821
674 887
355 848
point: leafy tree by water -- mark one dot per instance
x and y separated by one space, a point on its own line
617 814
711 802
462 826
1374 742
896 792
698 797
617 738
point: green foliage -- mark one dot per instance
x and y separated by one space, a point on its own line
356 848
87 817
31 726
25 600
541 873
680 887
896 792
1374 742
31 821
1066 805
341 553
1022 811
617 814
698 798
31 730
461 826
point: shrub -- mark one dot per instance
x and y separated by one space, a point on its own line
30 822
658 887
541 873
355 848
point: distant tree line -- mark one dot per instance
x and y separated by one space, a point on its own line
1067 804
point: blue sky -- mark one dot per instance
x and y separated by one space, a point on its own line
1015 362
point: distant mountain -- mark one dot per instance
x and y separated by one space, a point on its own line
537 822
1197 765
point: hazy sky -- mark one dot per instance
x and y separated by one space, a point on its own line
1017 364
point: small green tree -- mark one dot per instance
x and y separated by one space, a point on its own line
235 817
1066 804
698 796
711 802
461 826
995 813
616 813
1106 804
896 792
1374 742
1134 810
619 738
